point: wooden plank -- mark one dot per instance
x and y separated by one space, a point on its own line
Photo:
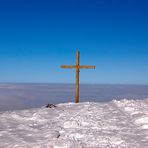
68 66
89 67
77 77
76 66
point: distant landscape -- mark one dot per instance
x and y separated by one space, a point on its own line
14 96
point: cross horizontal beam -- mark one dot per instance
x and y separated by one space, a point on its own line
78 66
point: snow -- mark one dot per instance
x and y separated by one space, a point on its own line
117 124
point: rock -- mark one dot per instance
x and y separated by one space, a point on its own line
50 106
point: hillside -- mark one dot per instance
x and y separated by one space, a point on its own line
112 124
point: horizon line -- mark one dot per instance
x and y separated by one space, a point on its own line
61 83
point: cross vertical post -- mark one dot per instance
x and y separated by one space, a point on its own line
77 67
77 76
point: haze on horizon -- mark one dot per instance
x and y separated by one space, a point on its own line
22 96
38 36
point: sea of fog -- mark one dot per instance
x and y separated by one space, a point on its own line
23 96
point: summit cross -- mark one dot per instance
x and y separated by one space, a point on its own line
77 67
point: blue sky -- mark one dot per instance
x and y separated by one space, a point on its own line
37 36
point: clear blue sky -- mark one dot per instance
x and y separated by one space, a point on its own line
37 36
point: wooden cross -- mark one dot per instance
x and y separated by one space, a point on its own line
77 67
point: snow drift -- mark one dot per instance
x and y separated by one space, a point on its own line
92 125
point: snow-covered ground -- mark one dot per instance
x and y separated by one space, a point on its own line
116 124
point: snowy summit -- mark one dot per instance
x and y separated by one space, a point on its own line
85 125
